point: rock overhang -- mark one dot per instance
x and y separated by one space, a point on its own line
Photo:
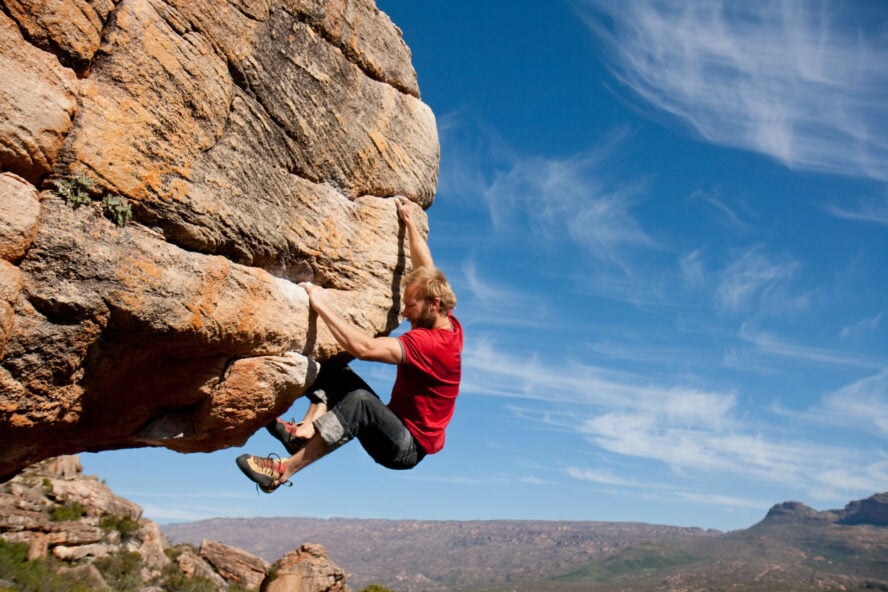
257 147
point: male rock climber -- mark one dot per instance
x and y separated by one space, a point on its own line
342 406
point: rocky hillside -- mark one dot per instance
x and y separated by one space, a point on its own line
169 170
58 525
795 548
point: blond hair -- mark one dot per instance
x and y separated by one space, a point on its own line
432 283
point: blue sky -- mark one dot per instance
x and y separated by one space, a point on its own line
667 225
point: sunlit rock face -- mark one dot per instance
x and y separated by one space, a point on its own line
257 144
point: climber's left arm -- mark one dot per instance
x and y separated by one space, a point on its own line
355 341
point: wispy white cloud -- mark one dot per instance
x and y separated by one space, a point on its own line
187 505
569 215
503 305
467 142
640 349
180 513
713 199
869 477
558 198
692 267
706 448
873 210
682 427
545 200
770 344
462 480
490 371
863 404
659 491
728 501
761 282
802 82
609 478
862 327
741 451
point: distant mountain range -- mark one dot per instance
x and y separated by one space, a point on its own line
793 548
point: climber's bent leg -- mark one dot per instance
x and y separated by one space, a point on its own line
332 383
360 414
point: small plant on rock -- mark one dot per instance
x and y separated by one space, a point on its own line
117 209
15 567
67 512
125 524
176 581
122 571
75 190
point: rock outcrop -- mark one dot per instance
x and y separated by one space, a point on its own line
58 512
307 569
872 511
233 564
255 145
75 519
788 512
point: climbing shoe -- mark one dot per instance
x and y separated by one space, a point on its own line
265 472
283 431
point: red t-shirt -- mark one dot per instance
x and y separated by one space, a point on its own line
425 390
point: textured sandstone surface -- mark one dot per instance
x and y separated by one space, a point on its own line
258 144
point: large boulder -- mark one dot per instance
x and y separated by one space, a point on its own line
233 564
306 569
193 565
258 145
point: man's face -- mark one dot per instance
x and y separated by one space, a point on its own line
417 310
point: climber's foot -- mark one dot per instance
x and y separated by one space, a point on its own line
287 433
266 472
